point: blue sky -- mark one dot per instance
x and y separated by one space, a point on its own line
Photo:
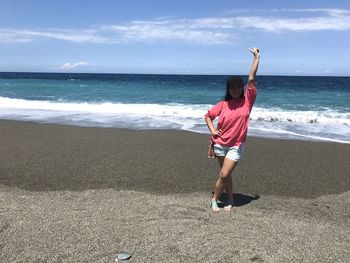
308 37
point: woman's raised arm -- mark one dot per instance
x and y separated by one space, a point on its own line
254 69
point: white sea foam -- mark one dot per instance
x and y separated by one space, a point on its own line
106 108
325 125
278 115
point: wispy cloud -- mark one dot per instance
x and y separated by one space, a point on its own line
330 11
69 65
326 19
207 30
168 30
80 36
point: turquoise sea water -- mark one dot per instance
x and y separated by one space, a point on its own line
306 108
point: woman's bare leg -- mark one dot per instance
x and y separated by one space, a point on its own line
221 161
228 184
219 184
225 180
229 190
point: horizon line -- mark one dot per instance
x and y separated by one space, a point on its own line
175 74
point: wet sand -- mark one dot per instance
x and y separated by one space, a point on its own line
73 194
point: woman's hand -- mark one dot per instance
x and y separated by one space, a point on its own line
255 51
217 133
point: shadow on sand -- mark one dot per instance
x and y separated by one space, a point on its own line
239 199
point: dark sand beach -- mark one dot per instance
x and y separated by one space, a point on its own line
77 194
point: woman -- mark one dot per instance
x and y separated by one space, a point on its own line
231 132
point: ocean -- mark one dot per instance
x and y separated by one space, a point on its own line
287 107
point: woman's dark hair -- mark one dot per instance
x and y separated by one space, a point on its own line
234 82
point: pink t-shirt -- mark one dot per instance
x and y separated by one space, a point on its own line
234 118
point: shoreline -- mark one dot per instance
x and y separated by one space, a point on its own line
296 137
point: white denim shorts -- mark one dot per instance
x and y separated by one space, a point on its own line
234 153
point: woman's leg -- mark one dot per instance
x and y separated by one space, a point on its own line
221 161
225 180
219 185
229 190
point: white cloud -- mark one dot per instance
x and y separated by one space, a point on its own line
300 24
207 30
68 65
167 30
68 35
330 11
79 36
327 19
8 36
